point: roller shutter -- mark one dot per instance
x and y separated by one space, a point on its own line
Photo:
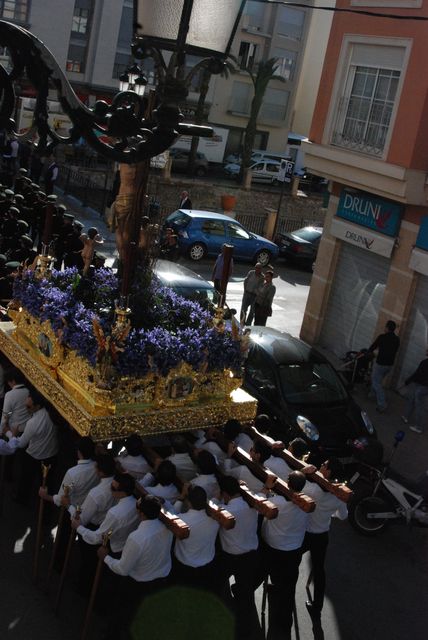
415 342
355 300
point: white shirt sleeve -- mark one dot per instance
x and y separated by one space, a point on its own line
6 408
96 537
57 497
127 561
54 173
342 512
89 509
147 481
9 448
24 440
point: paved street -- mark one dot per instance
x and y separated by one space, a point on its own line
377 587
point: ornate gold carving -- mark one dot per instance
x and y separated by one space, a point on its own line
141 406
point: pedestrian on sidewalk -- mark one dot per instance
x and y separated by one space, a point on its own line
252 283
417 398
386 345
185 201
264 299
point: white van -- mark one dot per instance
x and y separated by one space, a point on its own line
265 170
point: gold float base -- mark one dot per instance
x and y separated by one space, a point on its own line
153 420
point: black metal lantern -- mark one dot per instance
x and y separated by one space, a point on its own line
122 130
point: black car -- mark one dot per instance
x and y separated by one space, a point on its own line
300 246
303 394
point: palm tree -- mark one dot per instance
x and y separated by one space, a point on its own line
266 72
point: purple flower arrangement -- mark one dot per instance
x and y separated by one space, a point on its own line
166 328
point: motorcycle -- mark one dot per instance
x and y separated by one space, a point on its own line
379 499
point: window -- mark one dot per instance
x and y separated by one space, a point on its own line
14 10
367 93
242 93
121 63
247 54
260 371
254 12
213 227
80 20
76 58
368 109
290 23
235 231
286 62
274 168
125 29
275 103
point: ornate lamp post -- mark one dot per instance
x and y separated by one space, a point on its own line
198 27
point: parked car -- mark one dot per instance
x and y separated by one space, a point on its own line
300 246
180 161
203 233
311 182
263 171
303 394
186 283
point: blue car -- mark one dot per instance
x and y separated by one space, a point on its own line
202 233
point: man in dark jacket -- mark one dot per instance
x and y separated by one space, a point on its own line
417 399
185 201
386 345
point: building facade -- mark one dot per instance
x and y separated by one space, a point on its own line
91 41
368 137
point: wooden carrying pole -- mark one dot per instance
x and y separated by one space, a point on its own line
95 584
64 571
61 517
341 491
45 471
261 473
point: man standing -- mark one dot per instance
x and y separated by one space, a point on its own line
419 393
51 176
284 537
252 283
387 345
185 201
15 412
264 299
318 526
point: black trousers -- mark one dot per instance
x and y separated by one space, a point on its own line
244 568
261 315
283 567
316 544
30 473
205 577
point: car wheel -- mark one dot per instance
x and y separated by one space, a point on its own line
200 172
263 257
197 251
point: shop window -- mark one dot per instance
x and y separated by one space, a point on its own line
76 58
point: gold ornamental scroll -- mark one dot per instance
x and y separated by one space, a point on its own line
106 421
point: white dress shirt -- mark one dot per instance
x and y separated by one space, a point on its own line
213 448
167 492
242 473
15 404
279 467
147 553
327 507
207 481
186 468
286 532
80 478
244 441
121 519
96 504
199 548
136 466
40 437
243 537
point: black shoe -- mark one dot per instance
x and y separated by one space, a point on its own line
313 611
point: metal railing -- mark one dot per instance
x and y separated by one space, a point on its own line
285 225
254 223
80 185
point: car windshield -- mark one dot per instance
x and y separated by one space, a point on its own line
207 298
179 218
311 383
310 234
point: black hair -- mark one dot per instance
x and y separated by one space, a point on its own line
150 506
37 398
179 444
166 473
229 485
197 497
298 447
106 464
296 480
263 423
391 326
92 232
232 429
206 462
86 446
263 450
335 467
126 483
14 374
134 445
